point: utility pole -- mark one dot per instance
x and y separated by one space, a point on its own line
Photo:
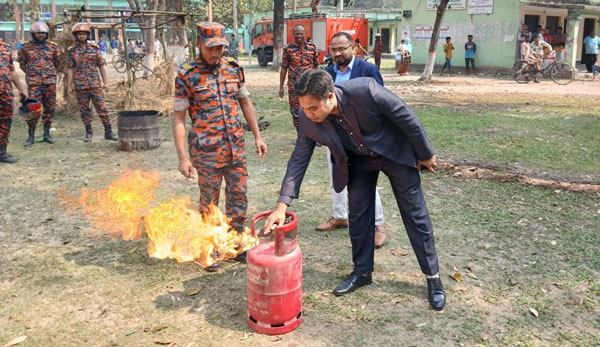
294 3
340 7
210 10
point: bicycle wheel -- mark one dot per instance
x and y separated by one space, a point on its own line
562 73
116 58
520 72
119 65
138 62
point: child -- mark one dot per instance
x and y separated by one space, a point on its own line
448 48
470 49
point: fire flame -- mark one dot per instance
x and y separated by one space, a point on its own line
174 230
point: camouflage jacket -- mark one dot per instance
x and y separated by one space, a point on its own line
85 61
298 60
210 96
39 61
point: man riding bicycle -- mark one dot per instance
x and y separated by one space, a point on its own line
533 53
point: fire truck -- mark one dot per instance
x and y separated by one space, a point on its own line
318 26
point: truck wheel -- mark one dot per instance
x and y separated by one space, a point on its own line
262 58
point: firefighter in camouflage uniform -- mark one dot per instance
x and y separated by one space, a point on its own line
210 90
85 60
7 75
39 58
297 58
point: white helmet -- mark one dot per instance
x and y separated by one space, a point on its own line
39 27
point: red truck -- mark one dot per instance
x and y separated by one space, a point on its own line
318 26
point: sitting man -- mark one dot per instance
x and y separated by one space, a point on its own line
536 54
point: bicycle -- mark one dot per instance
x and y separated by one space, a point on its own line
559 71
119 62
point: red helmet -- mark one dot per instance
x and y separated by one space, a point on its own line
81 27
30 108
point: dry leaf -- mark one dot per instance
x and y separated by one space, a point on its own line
534 312
354 309
363 306
275 338
193 291
472 275
457 277
163 342
460 289
16 341
399 253
158 328
513 282
245 336
553 243
214 316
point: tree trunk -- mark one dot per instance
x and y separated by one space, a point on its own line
278 14
209 9
147 23
251 29
235 20
435 35
22 20
17 19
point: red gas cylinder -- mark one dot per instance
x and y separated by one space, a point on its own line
274 280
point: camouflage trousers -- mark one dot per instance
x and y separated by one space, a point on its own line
97 97
236 201
294 105
46 93
6 114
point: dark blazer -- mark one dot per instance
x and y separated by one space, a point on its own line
361 68
382 122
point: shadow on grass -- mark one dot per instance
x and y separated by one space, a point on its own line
120 256
220 298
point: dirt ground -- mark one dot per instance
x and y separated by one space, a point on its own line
527 257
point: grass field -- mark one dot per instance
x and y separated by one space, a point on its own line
529 257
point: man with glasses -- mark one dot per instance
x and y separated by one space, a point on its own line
347 67
298 57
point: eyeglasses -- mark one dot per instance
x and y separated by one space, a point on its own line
340 49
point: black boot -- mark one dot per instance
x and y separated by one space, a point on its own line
108 133
88 133
47 137
31 138
5 157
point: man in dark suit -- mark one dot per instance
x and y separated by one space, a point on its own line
347 67
368 130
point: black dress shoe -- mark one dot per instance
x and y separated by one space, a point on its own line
436 294
352 283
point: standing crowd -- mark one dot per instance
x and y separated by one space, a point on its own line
39 59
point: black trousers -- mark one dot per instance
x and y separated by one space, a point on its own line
472 61
406 184
590 62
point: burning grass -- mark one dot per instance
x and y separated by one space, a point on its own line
174 230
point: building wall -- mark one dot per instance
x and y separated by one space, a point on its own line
494 34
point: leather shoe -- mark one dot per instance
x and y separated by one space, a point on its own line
436 294
332 224
352 283
380 235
